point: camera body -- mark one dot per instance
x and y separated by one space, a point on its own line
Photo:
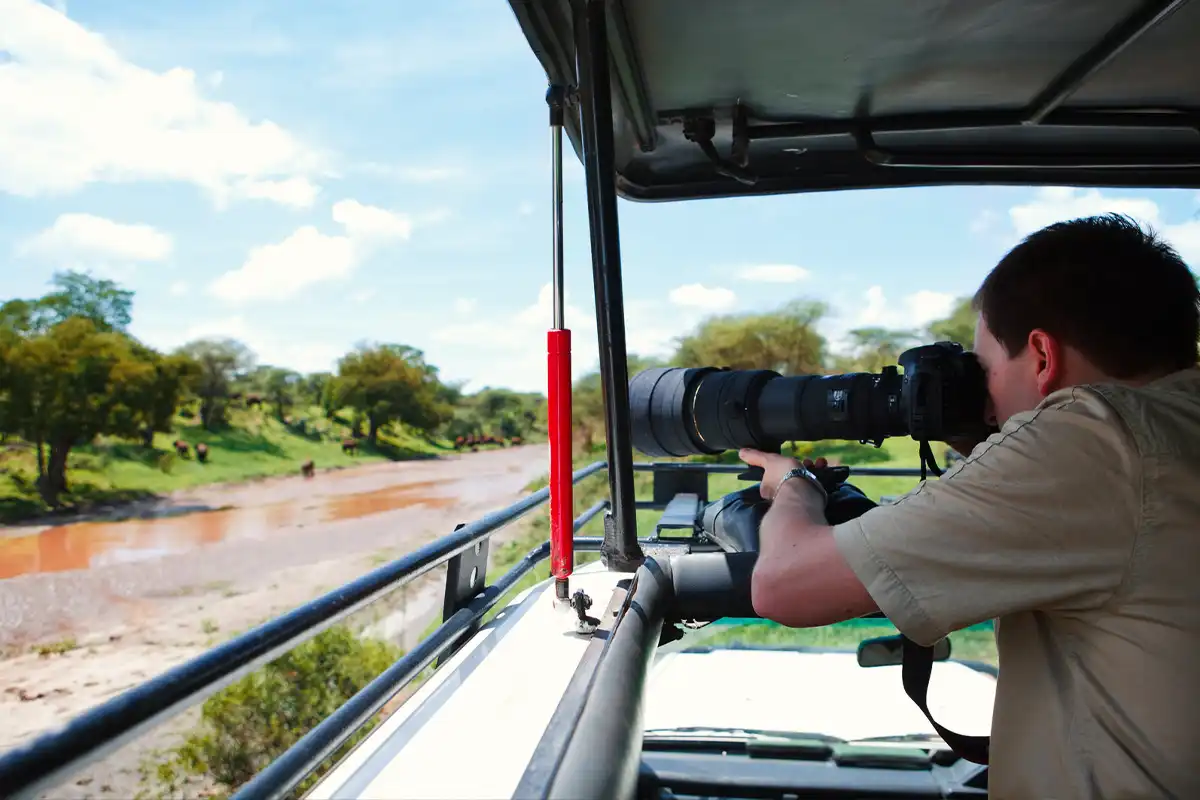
677 411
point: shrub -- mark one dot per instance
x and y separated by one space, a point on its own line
252 722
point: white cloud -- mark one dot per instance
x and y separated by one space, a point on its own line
362 296
873 310
1058 203
696 295
280 270
509 348
773 273
76 112
369 222
465 305
278 347
296 192
77 238
307 256
178 288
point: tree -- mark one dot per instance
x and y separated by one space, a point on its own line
784 340
587 401
281 387
220 362
958 327
77 294
872 349
68 386
389 382
152 395
312 387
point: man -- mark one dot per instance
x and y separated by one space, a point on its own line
1076 526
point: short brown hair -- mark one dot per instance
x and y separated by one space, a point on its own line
1103 285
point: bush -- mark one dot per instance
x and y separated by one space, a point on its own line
246 726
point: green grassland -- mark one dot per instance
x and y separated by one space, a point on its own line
255 444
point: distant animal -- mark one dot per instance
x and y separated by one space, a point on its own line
253 400
307 468
181 448
515 441
202 452
350 446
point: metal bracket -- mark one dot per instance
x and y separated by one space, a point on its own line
702 129
466 576
680 514
670 484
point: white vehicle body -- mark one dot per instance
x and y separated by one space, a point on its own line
503 687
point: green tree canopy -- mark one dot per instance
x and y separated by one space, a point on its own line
785 340
390 383
958 327
221 363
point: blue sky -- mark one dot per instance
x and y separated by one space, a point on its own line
305 176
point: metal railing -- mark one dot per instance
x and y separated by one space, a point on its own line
53 757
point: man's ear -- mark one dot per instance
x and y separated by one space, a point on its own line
1049 362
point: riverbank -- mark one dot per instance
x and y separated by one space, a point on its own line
111 475
76 637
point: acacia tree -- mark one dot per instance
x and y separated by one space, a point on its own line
68 386
785 340
872 349
220 362
958 327
389 383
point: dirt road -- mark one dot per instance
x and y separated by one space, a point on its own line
111 604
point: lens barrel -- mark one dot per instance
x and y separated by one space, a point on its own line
679 411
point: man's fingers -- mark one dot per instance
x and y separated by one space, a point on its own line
822 462
752 457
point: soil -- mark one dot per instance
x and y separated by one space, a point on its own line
90 609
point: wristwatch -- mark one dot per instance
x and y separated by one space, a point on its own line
807 475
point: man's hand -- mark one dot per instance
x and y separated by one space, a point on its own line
774 467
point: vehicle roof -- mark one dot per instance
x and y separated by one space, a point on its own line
872 93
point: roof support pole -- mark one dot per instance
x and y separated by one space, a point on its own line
621 551
558 363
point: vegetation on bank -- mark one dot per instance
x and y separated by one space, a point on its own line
91 416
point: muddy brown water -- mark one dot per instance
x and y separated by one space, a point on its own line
84 545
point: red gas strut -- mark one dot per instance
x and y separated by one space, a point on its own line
558 363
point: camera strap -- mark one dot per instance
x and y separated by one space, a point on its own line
916 671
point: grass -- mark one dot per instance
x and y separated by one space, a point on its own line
254 445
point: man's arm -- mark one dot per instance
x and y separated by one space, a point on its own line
1043 515
800 578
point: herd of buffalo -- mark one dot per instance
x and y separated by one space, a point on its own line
350 447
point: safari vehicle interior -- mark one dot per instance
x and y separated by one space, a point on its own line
557 692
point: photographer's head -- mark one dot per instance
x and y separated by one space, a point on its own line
1091 300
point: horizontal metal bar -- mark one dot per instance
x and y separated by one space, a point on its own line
724 469
53 757
967 120
586 516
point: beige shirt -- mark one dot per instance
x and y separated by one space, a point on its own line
1076 527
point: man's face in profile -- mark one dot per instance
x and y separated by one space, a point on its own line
1011 381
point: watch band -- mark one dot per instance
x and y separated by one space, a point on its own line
806 474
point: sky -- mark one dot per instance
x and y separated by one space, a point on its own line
308 176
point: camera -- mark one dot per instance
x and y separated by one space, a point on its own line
678 411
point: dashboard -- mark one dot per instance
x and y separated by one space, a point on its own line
737 776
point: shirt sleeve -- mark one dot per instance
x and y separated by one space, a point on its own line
1043 515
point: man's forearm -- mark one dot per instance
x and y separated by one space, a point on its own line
800 578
